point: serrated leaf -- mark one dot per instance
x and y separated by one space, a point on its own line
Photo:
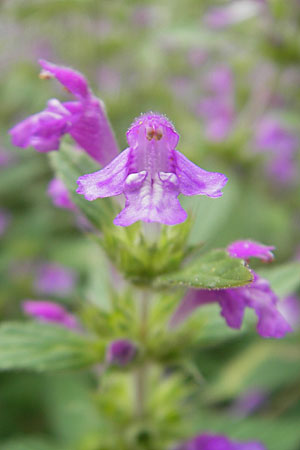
214 270
43 347
69 164
284 279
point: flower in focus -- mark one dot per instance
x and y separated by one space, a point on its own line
60 195
53 279
257 295
46 311
151 174
84 119
121 352
215 442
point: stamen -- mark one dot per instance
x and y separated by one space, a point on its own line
45 75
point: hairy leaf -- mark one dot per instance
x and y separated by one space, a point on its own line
214 270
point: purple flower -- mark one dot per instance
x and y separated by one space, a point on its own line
84 119
151 174
208 441
49 312
217 110
121 352
53 279
4 221
248 402
233 13
281 145
251 249
272 136
257 295
60 195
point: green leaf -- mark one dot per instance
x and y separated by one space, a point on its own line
29 443
42 347
214 270
284 279
264 365
69 164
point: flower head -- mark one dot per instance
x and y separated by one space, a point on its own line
151 174
257 295
84 119
121 352
208 441
49 312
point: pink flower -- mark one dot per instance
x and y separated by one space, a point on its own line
49 312
257 295
84 119
151 174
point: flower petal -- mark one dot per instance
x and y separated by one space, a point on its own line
92 130
151 201
106 182
195 181
69 78
251 249
194 298
232 307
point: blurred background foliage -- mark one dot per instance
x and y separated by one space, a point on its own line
227 74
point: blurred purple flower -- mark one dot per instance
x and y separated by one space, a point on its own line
248 402
272 136
281 145
85 119
121 352
60 195
257 295
151 174
208 441
232 13
5 219
217 110
49 312
53 279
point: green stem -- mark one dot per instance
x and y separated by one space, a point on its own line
140 378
